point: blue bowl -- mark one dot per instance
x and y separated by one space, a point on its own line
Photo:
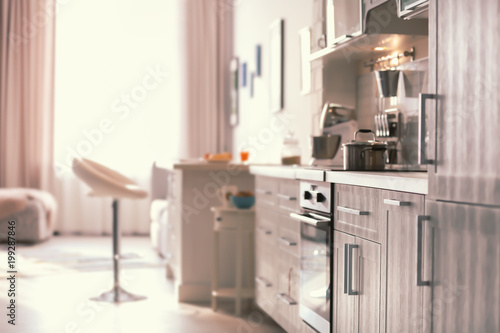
242 202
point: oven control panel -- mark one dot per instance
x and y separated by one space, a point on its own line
316 196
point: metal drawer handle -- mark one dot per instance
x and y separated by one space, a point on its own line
287 242
286 197
420 222
263 282
349 287
286 299
264 231
352 211
422 158
261 191
324 222
396 202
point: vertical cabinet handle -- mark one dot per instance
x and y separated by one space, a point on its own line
348 269
349 287
420 238
422 156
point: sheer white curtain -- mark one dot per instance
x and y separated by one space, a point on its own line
117 101
207 51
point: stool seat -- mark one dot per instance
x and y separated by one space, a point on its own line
105 182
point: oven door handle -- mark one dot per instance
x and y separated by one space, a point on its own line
319 221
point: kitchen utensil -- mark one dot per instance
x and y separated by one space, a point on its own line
364 155
387 82
333 114
224 193
325 146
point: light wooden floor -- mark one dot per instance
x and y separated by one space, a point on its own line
60 302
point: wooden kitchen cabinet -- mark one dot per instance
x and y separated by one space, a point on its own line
277 249
463 122
407 303
358 235
356 279
466 268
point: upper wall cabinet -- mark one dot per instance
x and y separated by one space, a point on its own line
343 20
413 8
356 27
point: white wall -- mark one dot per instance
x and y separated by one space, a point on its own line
257 126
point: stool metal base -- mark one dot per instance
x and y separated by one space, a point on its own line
118 295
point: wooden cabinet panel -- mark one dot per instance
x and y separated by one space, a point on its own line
343 305
466 267
288 195
405 300
265 191
289 291
367 279
289 236
357 211
464 122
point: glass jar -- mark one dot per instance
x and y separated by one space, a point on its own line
290 153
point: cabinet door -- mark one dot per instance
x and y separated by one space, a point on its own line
343 305
405 300
464 74
344 20
367 281
466 295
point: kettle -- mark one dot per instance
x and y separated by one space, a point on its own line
334 114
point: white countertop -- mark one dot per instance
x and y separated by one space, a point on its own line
413 182
195 165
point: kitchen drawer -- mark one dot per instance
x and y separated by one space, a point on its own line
265 191
266 226
288 237
288 292
173 188
357 212
288 195
265 276
402 202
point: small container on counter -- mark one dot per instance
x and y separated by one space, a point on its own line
290 153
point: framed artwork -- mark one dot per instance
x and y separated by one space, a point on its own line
276 65
305 65
244 74
234 66
258 66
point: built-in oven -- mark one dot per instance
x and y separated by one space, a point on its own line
316 254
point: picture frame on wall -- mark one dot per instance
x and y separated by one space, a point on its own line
276 65
305 65
234 84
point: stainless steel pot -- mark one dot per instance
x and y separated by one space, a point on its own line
325 146
364 155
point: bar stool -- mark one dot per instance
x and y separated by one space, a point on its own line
105 182
240 224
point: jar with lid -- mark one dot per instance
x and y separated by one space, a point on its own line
290 153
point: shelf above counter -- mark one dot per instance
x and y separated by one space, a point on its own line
362 47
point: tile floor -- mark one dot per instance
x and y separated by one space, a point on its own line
59 303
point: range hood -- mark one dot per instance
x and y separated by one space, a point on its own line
381 28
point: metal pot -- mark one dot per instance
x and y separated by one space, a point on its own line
325 146
364 155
